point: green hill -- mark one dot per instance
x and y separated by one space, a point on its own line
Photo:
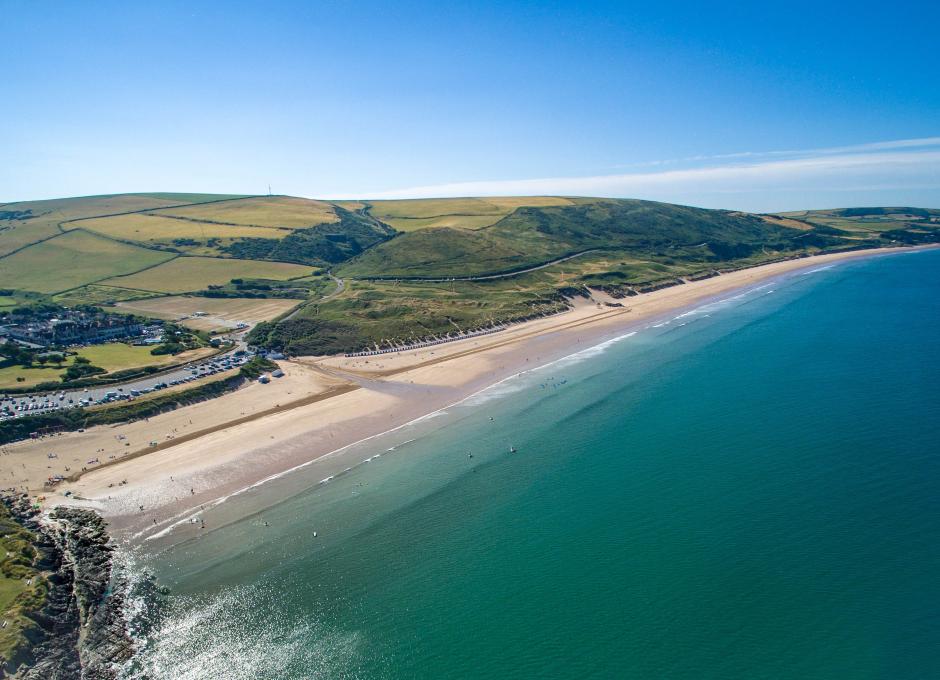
411 268
530 236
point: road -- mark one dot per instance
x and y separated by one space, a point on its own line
340 287
33 404
186 373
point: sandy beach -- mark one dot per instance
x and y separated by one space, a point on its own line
150 473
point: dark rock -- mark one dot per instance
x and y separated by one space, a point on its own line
80 633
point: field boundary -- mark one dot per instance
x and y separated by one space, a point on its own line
223 224
34 243
146 210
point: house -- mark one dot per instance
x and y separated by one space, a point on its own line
73 328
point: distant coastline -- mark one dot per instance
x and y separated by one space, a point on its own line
348 399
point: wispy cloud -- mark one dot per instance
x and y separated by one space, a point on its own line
905 162
920 142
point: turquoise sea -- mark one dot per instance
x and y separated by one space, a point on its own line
748 490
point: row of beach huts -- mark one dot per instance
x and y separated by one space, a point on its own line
428 343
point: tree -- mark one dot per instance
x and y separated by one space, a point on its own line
167 348
172 333
81 369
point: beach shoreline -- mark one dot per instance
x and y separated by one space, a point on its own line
357 399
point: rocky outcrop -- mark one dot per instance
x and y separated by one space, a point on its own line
103 641
80 633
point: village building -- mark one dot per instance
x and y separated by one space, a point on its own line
72 328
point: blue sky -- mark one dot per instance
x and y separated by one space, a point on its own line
767 107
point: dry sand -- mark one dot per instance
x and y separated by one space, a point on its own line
322 405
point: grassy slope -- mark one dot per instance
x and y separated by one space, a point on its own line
36 257
153 227
532 235
261 211
71 260
638 244
98 295
17 599
186 274
463 213
40 219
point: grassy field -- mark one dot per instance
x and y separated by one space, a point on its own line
460 213
86 206
98 295
9 376
264 211
72 260
118 356
225 310
791 223
112 356
176 197
16 234
149 227
867 221
186 274
38 220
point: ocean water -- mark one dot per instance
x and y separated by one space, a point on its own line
748 490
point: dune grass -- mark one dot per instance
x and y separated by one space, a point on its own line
372 313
